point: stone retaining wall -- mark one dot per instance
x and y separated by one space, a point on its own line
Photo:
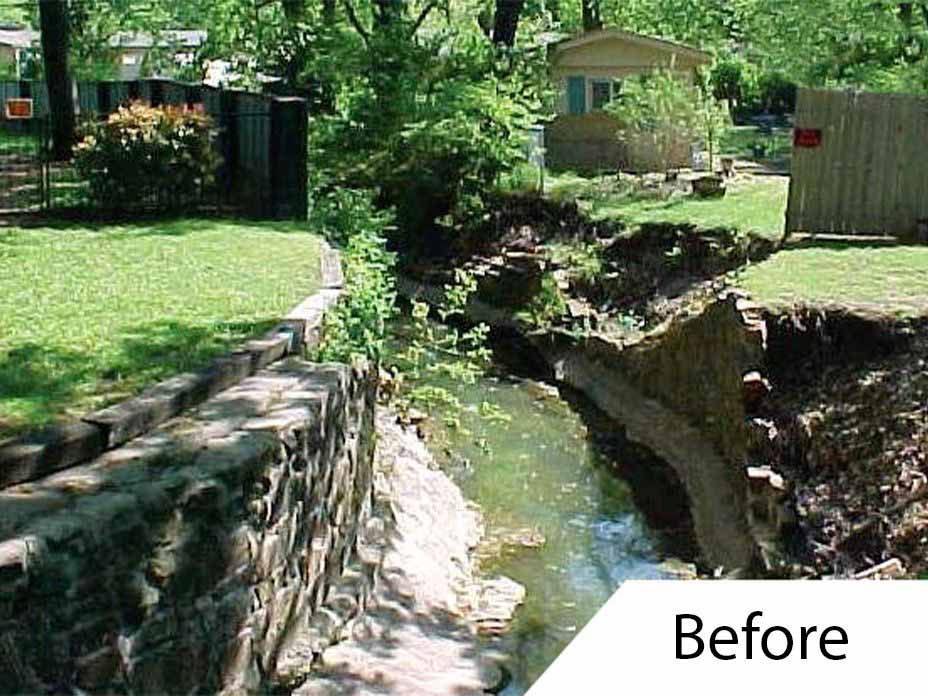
183 561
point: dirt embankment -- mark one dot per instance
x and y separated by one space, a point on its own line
835 469
846 425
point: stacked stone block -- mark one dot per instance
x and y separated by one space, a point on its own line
185 559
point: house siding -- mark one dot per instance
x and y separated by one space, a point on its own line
587 139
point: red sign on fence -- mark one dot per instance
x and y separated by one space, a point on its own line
19 108
807 137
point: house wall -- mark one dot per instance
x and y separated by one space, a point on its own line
584 142
614 58
130 70
588 141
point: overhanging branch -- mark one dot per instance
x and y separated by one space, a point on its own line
356 23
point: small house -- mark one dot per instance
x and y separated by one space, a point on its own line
588 72
133 49
17 48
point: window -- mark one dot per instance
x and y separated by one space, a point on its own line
602 94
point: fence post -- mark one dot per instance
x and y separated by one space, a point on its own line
156 92
228 129
104 98
288 158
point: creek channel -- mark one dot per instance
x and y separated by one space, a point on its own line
558 471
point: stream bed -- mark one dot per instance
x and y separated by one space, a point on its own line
551 471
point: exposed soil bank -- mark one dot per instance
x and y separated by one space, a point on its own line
846 428
800 436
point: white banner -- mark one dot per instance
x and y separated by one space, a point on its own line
694 637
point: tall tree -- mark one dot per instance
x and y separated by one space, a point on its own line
506 21
53 16
592 15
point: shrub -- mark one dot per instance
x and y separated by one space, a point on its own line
662 115
357 326
776 93
148 155
735 80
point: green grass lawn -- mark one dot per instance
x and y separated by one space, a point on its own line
91 315
890 279
15 142
756 204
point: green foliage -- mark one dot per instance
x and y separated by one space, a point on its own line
357 326
147 155
583 260
776 93
8 70
442 351
430 124
735 80
547 307
669 115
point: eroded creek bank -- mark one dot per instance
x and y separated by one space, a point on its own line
843 426
571 510
547 509
799 434
679 393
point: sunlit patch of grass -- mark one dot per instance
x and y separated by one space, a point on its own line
884 278
758 206
90 315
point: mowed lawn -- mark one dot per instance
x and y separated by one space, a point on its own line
869 275
752 204
91 315
884 278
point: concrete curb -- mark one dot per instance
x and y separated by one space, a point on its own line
53 449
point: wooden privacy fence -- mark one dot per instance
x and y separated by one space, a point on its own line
860 164
262 138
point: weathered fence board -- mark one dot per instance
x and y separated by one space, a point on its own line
869 174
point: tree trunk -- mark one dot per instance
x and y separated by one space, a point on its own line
53 16
592 18
389 12
328 11
506 21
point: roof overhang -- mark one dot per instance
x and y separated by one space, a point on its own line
669 47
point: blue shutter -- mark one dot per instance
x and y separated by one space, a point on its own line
576 95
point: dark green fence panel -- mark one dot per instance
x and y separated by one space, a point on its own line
261 138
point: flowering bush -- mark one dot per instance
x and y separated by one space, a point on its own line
145 155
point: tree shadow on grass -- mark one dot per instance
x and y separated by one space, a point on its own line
35 382
40 385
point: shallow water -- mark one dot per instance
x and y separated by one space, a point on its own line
541 471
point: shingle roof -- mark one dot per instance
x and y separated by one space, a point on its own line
660 44
183 38
19 38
